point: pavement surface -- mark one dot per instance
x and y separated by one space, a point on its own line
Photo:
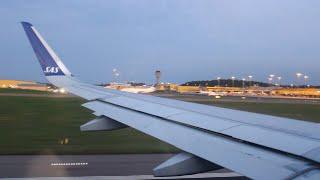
200 98
128 166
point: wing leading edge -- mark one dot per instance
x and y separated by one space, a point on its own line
257 146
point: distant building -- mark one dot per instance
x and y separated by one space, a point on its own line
13 83
17 84
188 89
298 92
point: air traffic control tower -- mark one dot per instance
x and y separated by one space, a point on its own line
158 75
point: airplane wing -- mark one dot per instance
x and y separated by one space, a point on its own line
254 145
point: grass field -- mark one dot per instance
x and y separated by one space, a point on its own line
37 125
23 91
305 112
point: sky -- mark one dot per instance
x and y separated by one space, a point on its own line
184 39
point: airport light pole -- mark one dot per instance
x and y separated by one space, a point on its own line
250 80
279 80
271 76
218 79
270 81
305 77
233 78
243 82
298 75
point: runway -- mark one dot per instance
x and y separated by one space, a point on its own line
201 98
130 166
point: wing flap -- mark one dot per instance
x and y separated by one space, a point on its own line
254 162
279 140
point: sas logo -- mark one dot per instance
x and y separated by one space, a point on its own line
52 70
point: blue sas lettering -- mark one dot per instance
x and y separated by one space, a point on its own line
52 70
